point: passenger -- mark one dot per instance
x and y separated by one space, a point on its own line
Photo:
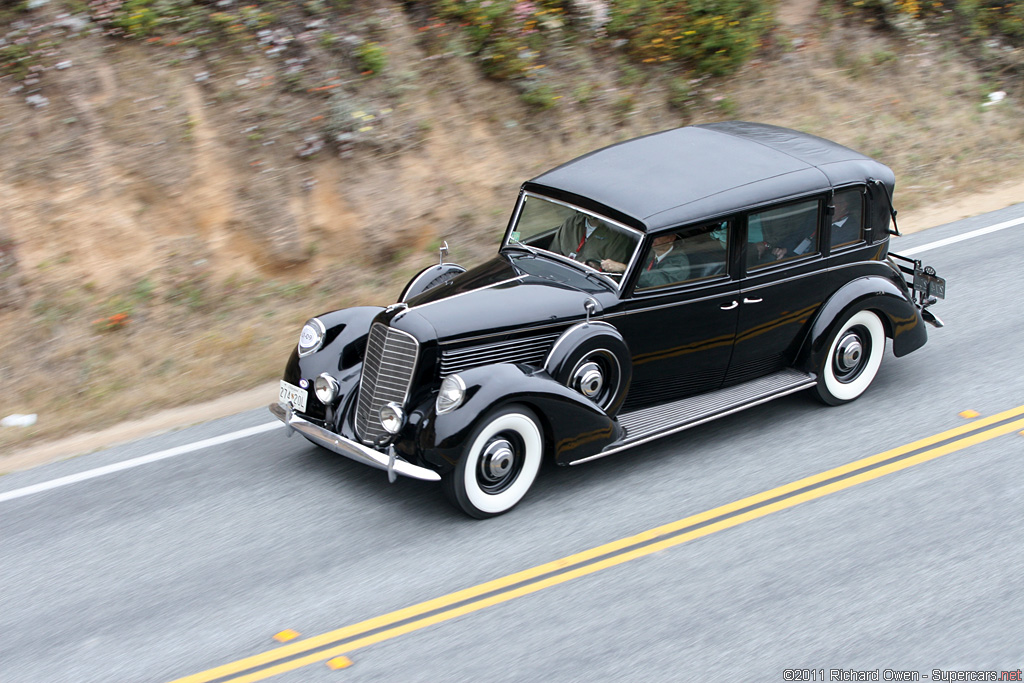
664 264
798 239
592 241
845 225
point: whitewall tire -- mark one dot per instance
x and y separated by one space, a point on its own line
500 464
853 359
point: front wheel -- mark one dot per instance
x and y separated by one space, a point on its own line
853 359
499 466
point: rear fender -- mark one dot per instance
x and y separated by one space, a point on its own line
902 320
573 426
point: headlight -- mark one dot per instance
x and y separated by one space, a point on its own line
326 388
453 390
392 418
312 337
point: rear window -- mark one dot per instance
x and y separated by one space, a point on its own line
782 233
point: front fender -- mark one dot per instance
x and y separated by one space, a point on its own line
902 319
573 426
341 355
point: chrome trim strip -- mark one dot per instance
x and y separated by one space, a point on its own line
629 444
727 294
868 262
792 278
460 340
351 449
456 296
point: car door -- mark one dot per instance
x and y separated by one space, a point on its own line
784 283
680 322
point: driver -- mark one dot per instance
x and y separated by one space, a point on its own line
592 241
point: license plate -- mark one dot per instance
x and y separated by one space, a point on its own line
930 285
294 395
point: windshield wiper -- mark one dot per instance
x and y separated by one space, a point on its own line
519 245
589 271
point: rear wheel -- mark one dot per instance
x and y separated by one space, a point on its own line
500 464
853 359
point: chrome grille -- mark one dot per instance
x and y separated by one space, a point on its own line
387 373
530 350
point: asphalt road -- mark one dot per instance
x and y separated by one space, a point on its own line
190 562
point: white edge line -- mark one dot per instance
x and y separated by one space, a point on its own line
267 426
136 462
960 238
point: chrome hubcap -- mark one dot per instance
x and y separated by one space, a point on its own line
498 459
589 380
849 353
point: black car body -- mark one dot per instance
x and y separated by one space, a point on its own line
715 267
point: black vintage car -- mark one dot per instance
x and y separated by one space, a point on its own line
639 290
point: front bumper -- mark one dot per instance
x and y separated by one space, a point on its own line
392 464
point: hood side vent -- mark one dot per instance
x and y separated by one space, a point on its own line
529 350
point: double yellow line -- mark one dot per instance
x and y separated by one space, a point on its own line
344 640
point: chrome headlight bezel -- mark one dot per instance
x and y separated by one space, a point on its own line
326 388
312 337
392 418
451 395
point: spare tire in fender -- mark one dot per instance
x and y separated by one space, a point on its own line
593 359
431 277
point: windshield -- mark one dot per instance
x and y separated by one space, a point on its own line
567 231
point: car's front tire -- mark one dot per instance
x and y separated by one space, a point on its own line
853 358
500 464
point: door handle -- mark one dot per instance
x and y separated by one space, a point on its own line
752 301
731 306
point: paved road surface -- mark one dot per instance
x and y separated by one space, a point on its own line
190 562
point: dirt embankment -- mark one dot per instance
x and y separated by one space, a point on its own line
169 218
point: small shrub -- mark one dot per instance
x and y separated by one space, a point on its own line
726 105
111 323
506 36
680 94
711 36
583 93
17 60
624 106
977 19
372 57
541 96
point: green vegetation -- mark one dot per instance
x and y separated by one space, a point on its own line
509 39
540 95
710 36
372 57
973 19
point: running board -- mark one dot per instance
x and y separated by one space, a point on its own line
651 423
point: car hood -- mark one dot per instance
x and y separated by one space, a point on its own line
506 294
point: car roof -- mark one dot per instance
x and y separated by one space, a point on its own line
688 174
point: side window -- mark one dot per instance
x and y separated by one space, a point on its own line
848 218
782 233
685 256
